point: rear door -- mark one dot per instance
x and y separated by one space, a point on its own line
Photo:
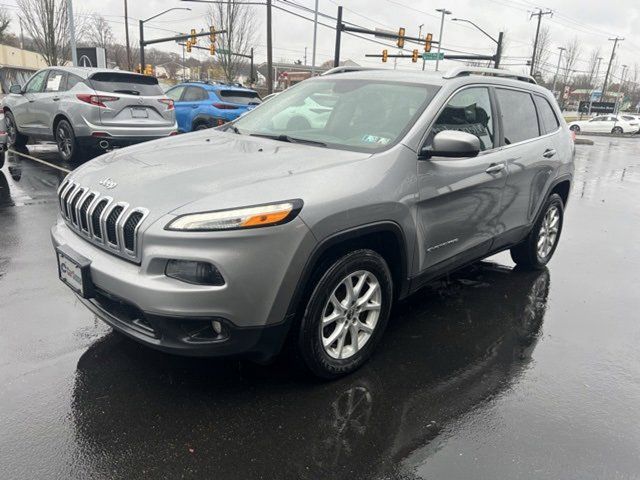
132 100
533 154
195 100
46 109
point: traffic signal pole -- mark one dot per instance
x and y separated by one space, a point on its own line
177 38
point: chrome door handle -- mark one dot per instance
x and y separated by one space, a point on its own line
495 168
549 152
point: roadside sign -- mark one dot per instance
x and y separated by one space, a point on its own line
597 107
433 56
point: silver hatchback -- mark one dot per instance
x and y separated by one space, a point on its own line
88 108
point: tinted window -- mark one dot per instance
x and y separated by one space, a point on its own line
547 115
129 83
72 81
238 96
175 93
55 82
36 83
468 111
519 120
195 94
628 118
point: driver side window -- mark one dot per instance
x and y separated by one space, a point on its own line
36 82
468 111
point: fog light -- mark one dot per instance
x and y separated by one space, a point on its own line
198 273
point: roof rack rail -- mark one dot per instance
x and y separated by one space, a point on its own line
346 68
492 72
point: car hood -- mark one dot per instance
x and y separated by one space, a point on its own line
214 169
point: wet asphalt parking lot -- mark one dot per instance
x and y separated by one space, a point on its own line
493 373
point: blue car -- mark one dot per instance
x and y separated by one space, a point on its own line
201 105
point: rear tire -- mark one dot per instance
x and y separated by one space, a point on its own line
66 140
536 250
575 128
14 137
341 327
617 130
201 126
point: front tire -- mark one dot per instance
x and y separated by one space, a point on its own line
66 140
14 137
575 128
346 314
536 250
617 130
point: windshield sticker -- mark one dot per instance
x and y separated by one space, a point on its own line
375 139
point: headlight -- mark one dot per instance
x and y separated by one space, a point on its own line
248 217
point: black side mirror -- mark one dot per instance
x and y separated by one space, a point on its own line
15 89
452 144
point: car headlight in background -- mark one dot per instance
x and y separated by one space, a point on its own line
240 218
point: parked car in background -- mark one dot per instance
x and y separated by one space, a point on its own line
313 112
201 105
87 108
606 124
3 139
236 239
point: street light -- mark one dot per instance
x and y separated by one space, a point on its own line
498 42
469 21
142 22
444 12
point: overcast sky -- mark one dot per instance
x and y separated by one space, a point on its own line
593 22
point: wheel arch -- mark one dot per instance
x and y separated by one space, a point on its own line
56 121
386 238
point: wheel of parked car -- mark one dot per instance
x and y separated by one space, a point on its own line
346 314
538 247
617 130
201 126
66 140
14 137
575 128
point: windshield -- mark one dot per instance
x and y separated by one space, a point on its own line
340 113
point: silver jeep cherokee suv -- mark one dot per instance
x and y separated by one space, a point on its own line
235 240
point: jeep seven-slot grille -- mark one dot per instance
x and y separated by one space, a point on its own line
109 224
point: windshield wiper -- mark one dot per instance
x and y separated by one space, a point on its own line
287 138
233 128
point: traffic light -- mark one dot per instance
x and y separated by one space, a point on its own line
138 69
401 37
212 49
148 69
194 39
385 55
427 42
414 55
189 46
212 34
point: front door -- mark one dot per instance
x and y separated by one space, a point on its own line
460 198
24 110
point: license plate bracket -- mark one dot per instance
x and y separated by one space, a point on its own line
138 112
74 271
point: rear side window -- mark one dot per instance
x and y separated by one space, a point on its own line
468 111
128 83
195 94
175 93
549 121
72 81
519 120
239 96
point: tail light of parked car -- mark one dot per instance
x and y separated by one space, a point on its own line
168 102
225 106
97 100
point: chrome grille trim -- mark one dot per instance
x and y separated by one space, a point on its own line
72 197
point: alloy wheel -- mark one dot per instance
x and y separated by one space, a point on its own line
11 129
65 142
548 234
351 314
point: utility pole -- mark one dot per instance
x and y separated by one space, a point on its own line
540 14
420 36
606 77
336 54
315 38
444 12
496 62
269 51
21 35
555 77
126 34
305 55
72 33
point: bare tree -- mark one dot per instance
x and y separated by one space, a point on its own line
99 32
571 54
239 22
47 22
542 52
5 21
593 64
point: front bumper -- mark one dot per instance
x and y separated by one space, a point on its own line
261 268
